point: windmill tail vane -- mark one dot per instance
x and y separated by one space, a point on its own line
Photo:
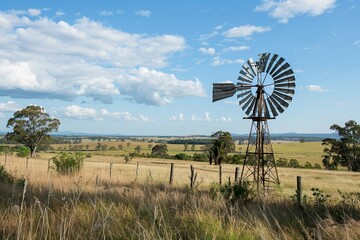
266 87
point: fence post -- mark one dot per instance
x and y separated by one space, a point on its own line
137 169
220 174
97 180
27 163
191 177
236 174
110 169
171 173
298 190
5 158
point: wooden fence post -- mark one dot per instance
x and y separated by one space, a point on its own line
191 177
110 169
220 174
5 158
27 163
236 174
298 190
171 173
137 169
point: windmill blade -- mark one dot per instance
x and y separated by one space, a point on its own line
252 66
283 96
273 59
281 101
263 59
277 105
281 60
243 79
271 105
250 100
251 107
243 94
282 68
290 79
287 85
286 73
285 90
223 90
246 74
241 102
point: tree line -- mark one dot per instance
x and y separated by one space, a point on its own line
31 127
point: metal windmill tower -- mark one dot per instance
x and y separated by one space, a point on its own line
265 90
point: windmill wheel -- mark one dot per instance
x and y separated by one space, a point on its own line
268 82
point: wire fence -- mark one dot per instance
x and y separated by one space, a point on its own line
177 173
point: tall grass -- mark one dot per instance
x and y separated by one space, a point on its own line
110 210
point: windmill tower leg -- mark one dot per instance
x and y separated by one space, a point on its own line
259 164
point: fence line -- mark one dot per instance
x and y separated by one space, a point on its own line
172 173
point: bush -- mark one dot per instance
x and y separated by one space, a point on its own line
68 163
23 152
182 156
282 162
236 159
200 157
5 177
294 163
237 192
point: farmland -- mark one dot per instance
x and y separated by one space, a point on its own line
135 200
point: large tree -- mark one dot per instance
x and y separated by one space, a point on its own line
218 149
344 151
31 127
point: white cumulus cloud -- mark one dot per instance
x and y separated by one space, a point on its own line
237 48
283 10
315 88
43 58
209 51
143 13
179 117
245 31
9 106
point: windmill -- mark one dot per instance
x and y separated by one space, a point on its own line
266 88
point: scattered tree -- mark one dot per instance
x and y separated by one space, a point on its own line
344 151
138 149
220 147
186 145
31 126
159 150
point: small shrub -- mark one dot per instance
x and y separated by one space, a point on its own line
182 156
68 163
319 197
23 152
200 157
5 177
237 192
282 162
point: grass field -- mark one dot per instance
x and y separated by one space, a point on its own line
303 152
137 202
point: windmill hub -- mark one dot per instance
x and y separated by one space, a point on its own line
266 88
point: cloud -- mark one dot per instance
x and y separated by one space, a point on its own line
315 88
9 106
225 119
245 31
217 61
143 13
179 117
285 9
205 118
209 51
106 13
238 48
42 58
356 43
34 12
77 112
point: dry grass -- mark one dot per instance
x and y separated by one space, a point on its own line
91 205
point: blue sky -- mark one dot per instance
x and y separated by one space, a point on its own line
147 67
